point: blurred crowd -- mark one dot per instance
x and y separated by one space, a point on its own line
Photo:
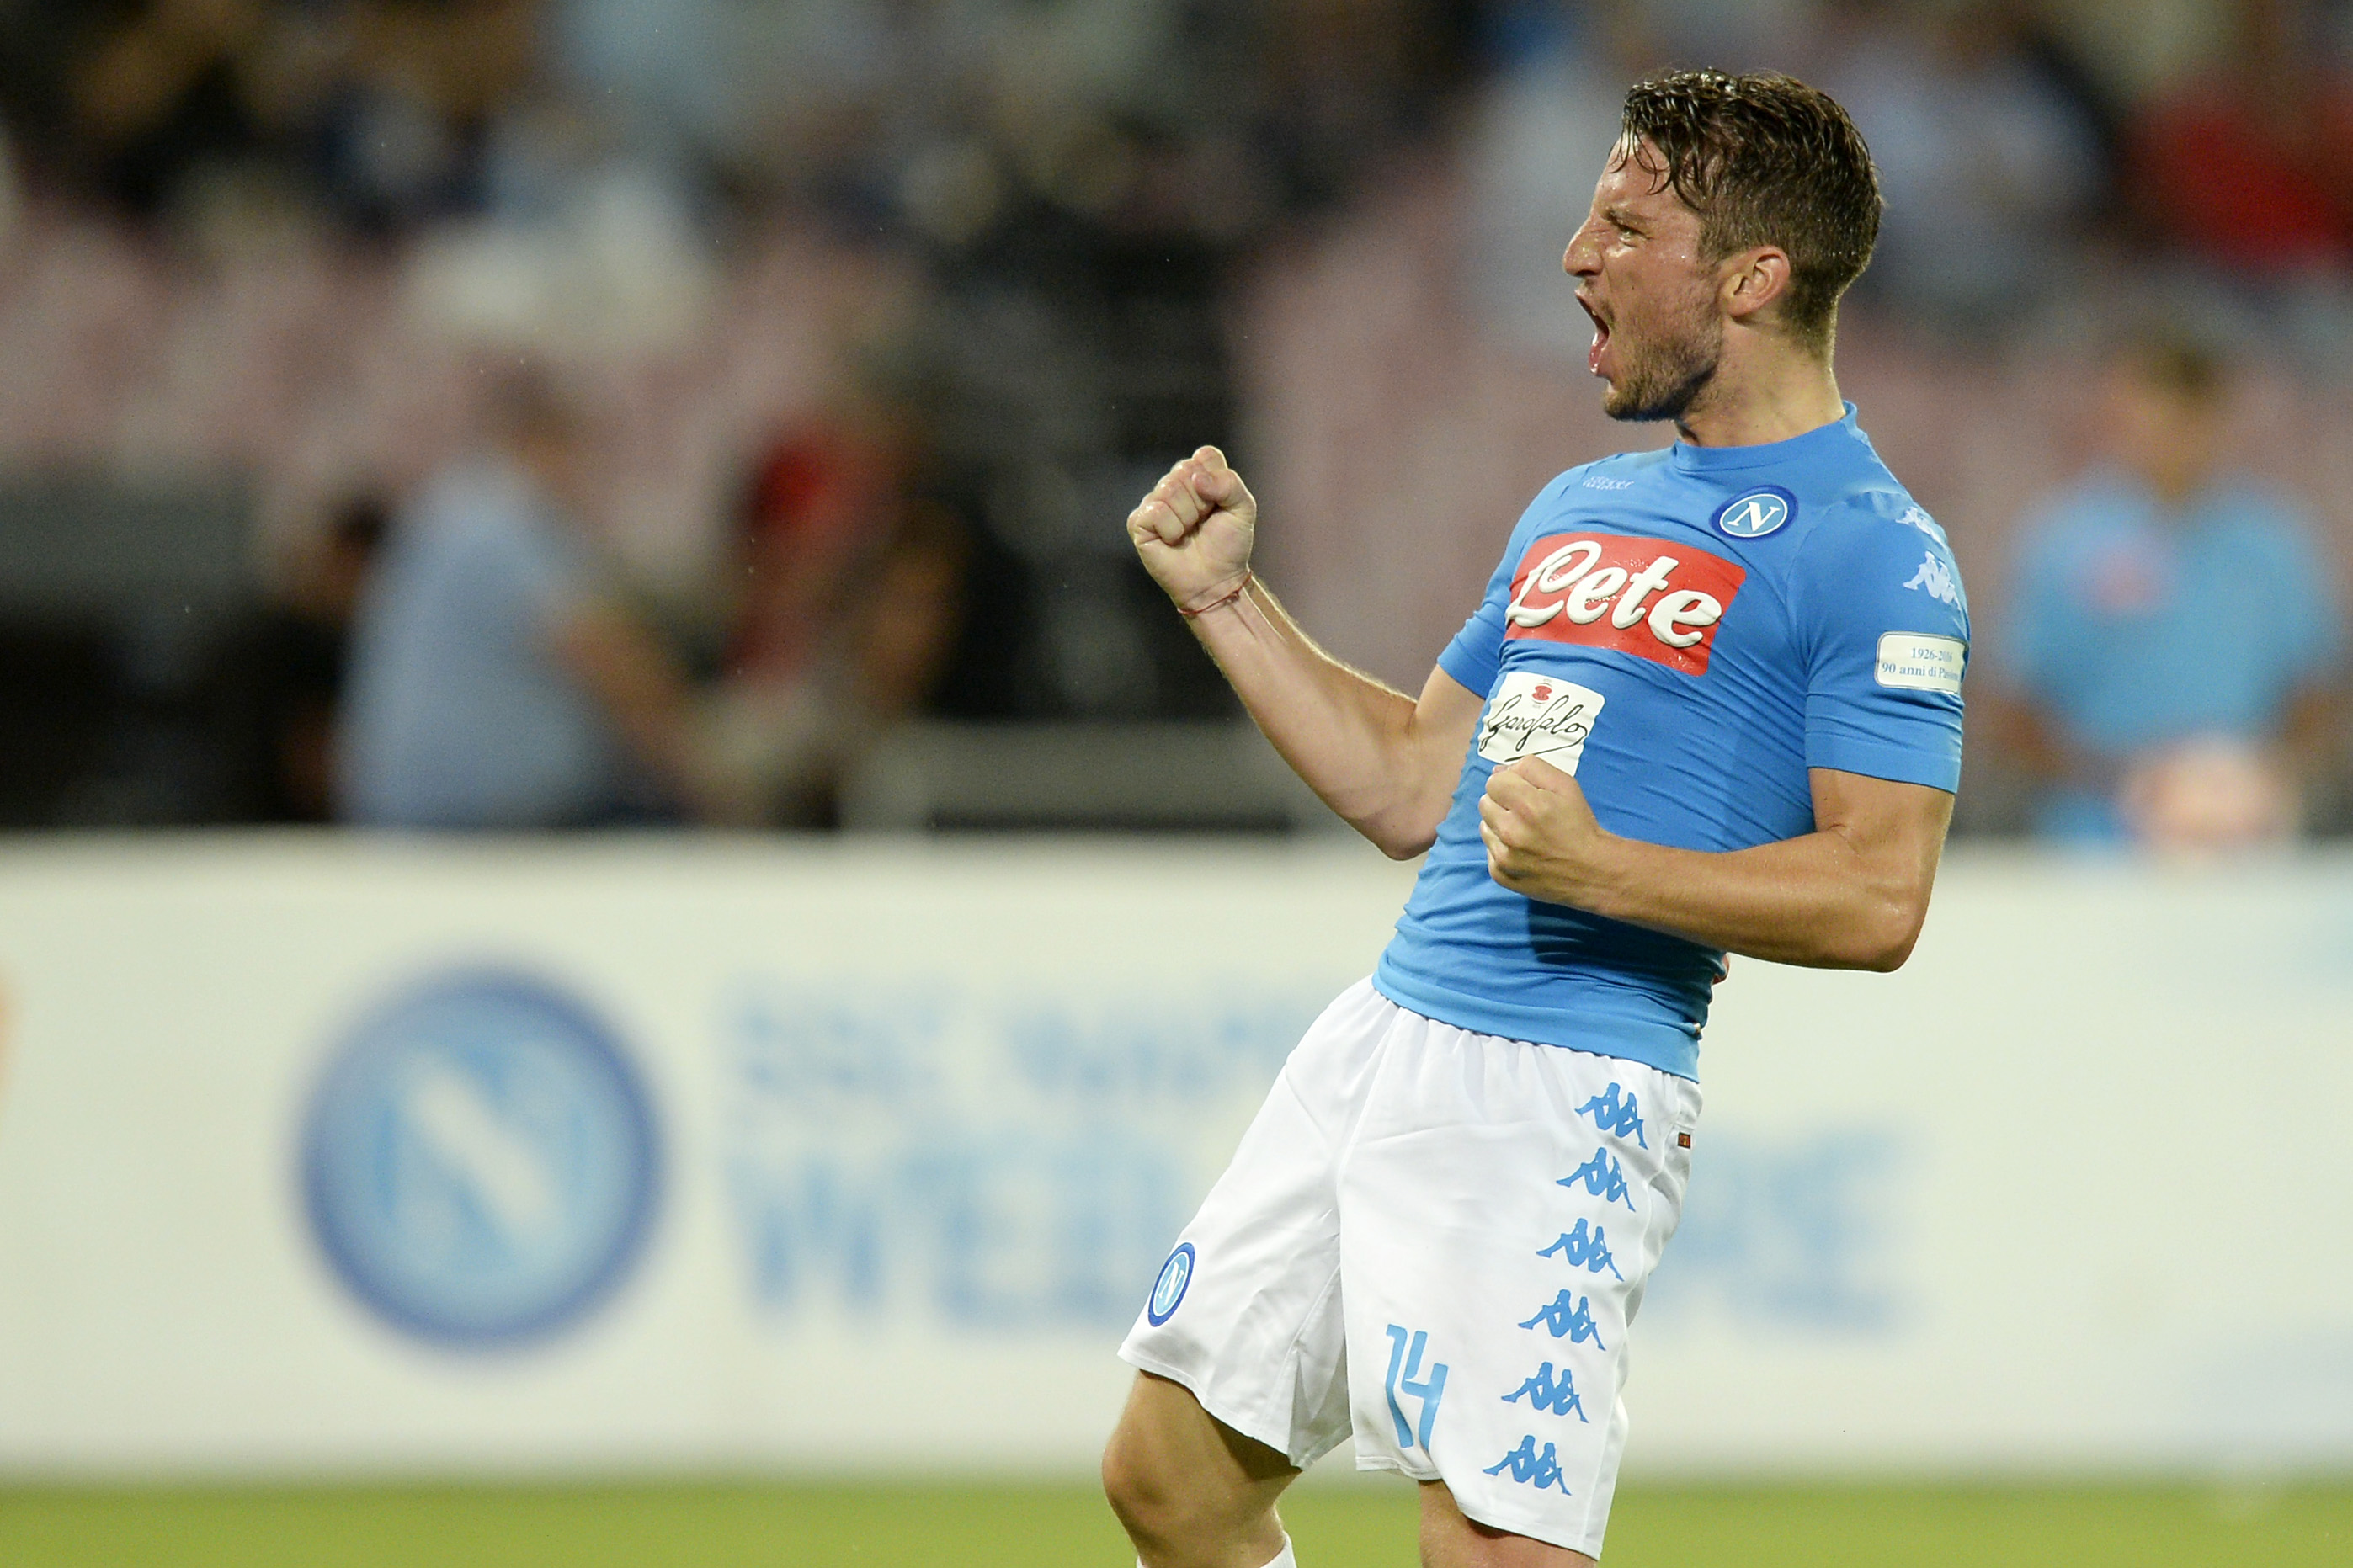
643 406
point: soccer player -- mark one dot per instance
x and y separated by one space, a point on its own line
1710 704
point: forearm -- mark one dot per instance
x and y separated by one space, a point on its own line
1850 895
1359 745
644 696
1813 900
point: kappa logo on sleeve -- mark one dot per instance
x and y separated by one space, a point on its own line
1937 580
1662 602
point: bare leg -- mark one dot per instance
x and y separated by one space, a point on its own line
1450 1540
1192 1491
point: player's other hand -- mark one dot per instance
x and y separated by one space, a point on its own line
1194 529
1541 837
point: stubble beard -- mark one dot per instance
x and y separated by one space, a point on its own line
1667 375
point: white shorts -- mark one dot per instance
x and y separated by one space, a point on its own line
1436 1238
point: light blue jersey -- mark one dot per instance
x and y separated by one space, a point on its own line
2136 626
459 714
1688 632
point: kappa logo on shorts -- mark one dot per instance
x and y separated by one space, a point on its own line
1602 1176
1554 1392
1168 1289
1570 1317
1406 1377
1531 1468
1589 1252
1616 1112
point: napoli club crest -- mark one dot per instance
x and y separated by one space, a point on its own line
1760 511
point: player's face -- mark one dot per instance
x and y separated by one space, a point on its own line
1657 334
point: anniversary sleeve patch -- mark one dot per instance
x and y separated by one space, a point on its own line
1919 661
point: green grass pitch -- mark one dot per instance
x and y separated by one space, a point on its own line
1031 1526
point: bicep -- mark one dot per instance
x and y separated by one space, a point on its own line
1443 717
1896 829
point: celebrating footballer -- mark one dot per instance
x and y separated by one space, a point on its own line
1710 704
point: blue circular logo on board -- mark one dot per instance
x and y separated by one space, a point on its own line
1169 1290
1759 513
480 1162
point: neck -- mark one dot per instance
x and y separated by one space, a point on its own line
1765 388
2176 487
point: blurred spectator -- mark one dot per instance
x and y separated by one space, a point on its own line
849 599
2176 628
1987 166
497 680
2248 168
821 503
300 652
166 88
1537 138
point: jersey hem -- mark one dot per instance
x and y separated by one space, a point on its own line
1897 763
1479 681
1666 1046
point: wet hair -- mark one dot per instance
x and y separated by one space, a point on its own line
1764 159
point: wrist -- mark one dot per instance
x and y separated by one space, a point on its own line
1228 592
1610 875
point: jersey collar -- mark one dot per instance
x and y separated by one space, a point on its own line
1813 446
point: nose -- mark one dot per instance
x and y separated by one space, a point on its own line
1583 256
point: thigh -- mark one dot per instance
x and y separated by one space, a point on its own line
1503 1205
1449 1540
1245 1313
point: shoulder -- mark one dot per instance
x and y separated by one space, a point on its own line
2090 511
1621 471
1871 540
2262 517
1869 519
1585 483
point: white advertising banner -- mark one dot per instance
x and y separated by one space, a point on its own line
333 1157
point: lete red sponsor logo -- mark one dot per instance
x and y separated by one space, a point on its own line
1642 596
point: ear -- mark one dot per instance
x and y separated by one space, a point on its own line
1751 280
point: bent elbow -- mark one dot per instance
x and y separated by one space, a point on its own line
1887 960
1891 937
1403 846
1402 835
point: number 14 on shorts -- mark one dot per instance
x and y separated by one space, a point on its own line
1407 1378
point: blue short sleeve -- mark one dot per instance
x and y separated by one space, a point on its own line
1475 657
1476 654
2307 624
1882 627
2046 629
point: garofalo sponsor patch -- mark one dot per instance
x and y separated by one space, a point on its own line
1538 716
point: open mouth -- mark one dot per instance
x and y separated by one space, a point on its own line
1600 334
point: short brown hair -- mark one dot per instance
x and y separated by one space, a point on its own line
2182 365
1766 160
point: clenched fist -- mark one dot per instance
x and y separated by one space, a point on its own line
1194 531
1541 837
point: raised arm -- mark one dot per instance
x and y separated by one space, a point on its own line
1386 762
1850 895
